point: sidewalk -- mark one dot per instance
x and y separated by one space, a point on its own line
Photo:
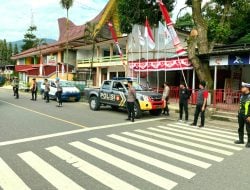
174 115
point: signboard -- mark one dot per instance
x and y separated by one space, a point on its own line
221 60
218 60
238 60
51 59
161 65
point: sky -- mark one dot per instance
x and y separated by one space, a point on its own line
17 16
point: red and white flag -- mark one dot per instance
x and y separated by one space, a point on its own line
113 33
173 34
149 35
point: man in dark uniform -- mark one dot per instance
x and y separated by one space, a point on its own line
184 94
16 87
244 114
201 104
34 90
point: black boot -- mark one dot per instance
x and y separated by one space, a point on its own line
240 141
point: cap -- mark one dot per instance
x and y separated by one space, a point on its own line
57 79
243 84
203 83
33 79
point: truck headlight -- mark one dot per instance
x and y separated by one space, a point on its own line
144 98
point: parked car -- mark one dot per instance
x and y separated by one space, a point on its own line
70 92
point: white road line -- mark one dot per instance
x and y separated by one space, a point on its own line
175 147
177 133
161 151
126 166
52 175
200 130
149 160
100 175
30 139
8 178
211 129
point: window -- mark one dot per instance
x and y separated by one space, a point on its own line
106 85
117 86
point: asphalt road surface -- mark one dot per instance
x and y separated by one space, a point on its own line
44 147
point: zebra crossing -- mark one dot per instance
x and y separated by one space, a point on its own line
174 149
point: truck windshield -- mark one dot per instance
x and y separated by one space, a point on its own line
136 85
66 84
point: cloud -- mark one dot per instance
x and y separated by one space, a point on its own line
16 16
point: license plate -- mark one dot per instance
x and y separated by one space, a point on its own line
72 98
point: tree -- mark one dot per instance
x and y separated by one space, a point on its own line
29 38
213 24
66 4
9 53
91 35
135 12
15 51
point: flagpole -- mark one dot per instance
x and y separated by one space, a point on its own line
139 63
157 71
132 56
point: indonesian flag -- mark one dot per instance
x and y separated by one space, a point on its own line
111 28
149 35
173 34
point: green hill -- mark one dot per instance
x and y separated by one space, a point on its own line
20 43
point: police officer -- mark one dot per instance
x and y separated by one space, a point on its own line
244 114
59 92
184 94
34 90
131 101
16 87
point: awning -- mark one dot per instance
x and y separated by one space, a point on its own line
161 65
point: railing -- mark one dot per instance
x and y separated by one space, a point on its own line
221 99
115 58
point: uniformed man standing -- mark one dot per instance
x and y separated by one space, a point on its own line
244 114
131 101
46 90
16 87
59 91
34 90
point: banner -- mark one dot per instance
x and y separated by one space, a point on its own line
221 60
161 65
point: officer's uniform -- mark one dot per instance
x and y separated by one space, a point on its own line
244 113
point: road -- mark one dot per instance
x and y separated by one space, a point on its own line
44 147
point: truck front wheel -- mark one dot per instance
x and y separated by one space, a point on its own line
155 112
94 103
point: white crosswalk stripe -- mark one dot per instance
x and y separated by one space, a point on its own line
149 160
175 147
126 166
91 170
177 133
156 147
9 179
207 132
185 142
160 151
56 178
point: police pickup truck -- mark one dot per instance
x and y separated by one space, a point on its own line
114 93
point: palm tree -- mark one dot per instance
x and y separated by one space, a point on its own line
66 4
91 36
